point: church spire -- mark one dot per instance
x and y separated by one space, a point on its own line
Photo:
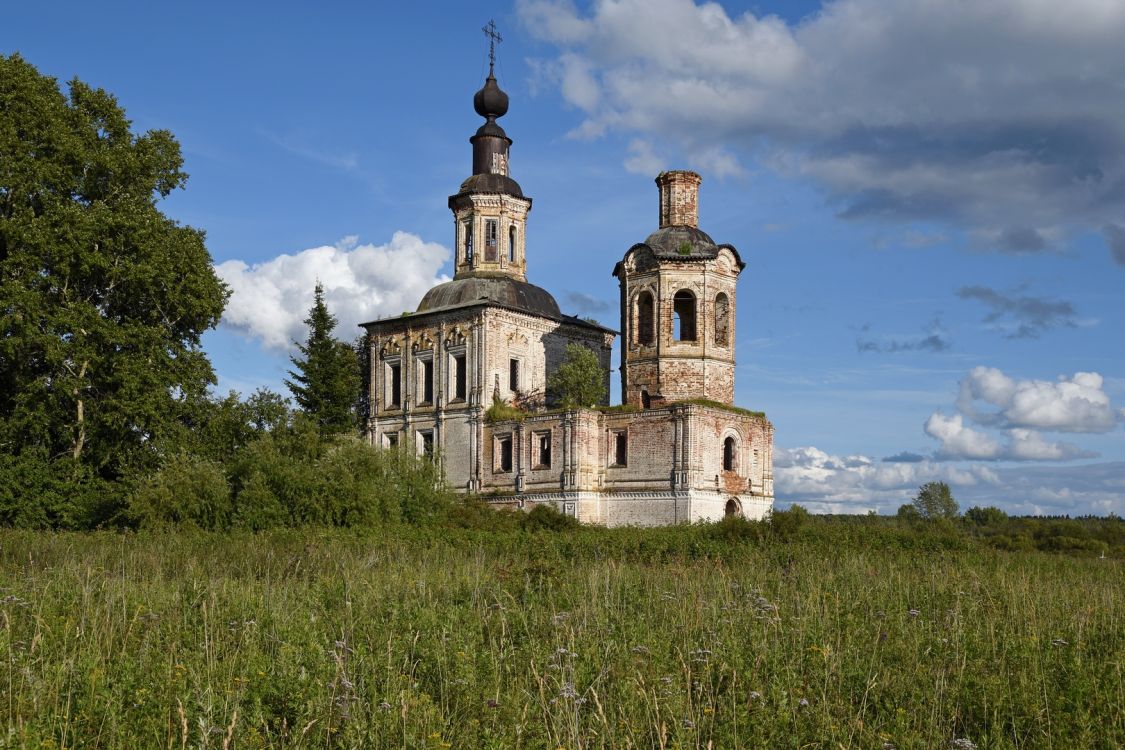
490 209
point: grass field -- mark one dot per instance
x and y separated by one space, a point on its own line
675 638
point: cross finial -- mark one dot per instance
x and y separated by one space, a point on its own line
493 39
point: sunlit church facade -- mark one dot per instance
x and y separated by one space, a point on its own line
677 450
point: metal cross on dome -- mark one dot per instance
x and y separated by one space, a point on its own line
493 39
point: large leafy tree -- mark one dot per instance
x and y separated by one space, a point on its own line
326 379
103 298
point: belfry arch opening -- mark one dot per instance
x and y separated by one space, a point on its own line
730 454
683 316
646 319
722 320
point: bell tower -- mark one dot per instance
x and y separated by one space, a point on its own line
490 210
677 305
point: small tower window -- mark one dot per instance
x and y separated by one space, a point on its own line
467 227
513 374
730 455
683 318
722 320
491 240
512 243
646 316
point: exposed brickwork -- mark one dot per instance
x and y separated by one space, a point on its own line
666 463
679 198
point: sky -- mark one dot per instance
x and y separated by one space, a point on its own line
929 196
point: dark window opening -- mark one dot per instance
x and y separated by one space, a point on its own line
620 448
732 508
504 453
683 319
460 377
390 439
544 441
729 459
513 374
468 242
646 400
490 240
396 386
427 381
512 244
646 316
722 320
427 443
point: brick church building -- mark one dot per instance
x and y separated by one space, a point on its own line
677 450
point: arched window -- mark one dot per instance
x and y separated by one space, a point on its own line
722 320
646 316
732 508
683 318
730 454
512 243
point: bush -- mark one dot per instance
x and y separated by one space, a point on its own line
546 518
786 523
187 490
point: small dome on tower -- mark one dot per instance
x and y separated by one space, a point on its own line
490 101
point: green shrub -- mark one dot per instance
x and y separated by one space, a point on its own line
546 518
187 490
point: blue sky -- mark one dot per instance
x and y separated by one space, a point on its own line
930 199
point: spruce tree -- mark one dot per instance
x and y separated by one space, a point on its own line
326 378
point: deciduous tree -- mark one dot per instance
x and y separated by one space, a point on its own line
103 298
579 380
934 500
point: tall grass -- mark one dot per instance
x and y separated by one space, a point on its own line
433 638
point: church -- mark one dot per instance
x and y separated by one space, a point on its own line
676 450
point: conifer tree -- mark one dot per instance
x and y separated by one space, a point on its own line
326 379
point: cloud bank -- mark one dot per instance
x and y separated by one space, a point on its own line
269 301
826 483
1004 117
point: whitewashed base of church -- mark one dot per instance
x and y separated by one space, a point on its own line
642 508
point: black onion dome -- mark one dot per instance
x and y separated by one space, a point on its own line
508 292
490 101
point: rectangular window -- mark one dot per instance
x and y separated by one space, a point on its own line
543 444
390 439
426 441
425 381
620 448
491 240
394 381
502 458
460 378
513 374
468 228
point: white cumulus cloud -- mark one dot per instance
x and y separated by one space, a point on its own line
270 300
1075 403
